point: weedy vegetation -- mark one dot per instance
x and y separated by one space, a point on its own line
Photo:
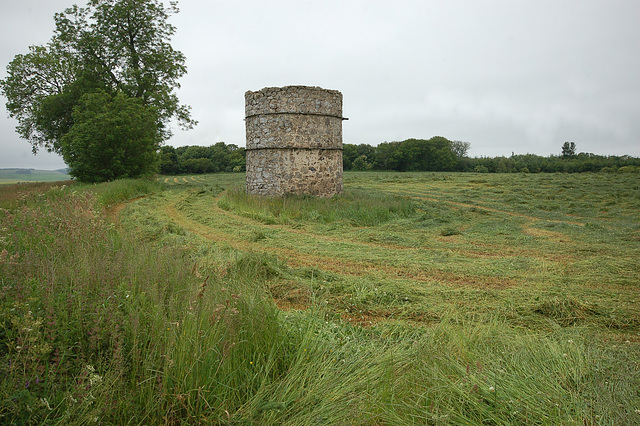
414 298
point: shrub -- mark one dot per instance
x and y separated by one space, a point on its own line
629 169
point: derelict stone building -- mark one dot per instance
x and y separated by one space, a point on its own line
294 141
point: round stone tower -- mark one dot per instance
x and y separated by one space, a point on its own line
294 141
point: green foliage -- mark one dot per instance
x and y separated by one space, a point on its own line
440 154
460 148
219 157
568 149
128 42
117 46
32 78
351 152
435 154
629 169
111 138
530 163
361 164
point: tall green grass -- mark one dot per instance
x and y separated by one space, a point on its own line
356 207
123 190
99 326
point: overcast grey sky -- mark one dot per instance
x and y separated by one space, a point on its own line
505 75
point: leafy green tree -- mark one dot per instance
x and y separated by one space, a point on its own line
361 164
111 138
237 158
45 73
443 156
198 165
349 154
459 148
168 160
568 150
109 46
219 157
387 156
195 151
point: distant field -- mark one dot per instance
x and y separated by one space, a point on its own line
9 176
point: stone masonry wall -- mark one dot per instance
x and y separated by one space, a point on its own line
294 141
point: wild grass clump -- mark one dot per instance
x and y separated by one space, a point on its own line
227 346
12 195
355 207
122 190
98 327
81 309
492 374
450 231
565 310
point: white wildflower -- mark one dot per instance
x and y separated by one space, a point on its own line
94 379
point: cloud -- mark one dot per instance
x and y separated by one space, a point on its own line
505 76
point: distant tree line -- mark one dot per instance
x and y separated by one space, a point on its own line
437 154
194 159
441 154
530 163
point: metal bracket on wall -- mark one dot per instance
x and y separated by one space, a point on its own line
294 113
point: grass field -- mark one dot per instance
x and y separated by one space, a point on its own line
414 298
480 246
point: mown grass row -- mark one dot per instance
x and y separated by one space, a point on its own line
360 208
482 256
123 325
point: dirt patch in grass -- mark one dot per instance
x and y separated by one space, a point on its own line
364 320
288 296
554 236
